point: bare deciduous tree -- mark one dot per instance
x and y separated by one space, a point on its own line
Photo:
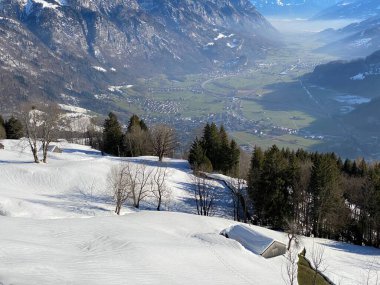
50 116
203 194
293 230
31 121
161 192
137 142
163 140
291 267
119 181
240 195
140 178
317 261
41 125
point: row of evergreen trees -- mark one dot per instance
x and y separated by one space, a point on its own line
318 192
134 142
215 151
138 140
11 128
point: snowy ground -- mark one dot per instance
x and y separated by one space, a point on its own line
57 227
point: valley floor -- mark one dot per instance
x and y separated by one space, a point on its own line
58 227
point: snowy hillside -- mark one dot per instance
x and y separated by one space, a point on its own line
58 227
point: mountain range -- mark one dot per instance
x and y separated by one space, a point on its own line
355 40
67 50
350 9
298 8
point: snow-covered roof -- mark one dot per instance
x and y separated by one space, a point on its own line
52 147
250 239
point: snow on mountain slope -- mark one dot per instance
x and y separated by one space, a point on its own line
58 227
73 183
140 248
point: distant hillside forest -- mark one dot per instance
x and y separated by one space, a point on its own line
318 193
312 194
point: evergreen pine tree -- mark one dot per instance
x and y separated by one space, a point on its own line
14 128
134 122
347 166
234 155
274 183
197 157
211 141
112 136
255 192
326 194
224 157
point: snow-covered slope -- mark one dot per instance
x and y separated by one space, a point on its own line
58 227
73 184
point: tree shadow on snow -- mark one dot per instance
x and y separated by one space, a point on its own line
356 249
75 203
86 152
16 162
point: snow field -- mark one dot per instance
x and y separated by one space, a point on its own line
58 227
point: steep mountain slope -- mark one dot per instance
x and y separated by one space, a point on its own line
299 8
350 79
360 76
352 9
69 50
358 39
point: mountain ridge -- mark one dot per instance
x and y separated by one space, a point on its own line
300 8
353 9
76 48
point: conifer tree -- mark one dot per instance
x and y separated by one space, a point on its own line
112 136
224 156
326 194
211 141
14 128
198 158
234 155
254 179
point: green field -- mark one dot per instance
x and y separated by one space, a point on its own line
285 141
270 94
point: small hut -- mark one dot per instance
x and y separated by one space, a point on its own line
1 146
53 148
254 241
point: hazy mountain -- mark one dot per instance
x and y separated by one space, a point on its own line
357 83
360 76
350 9
300 8
358 39
71 49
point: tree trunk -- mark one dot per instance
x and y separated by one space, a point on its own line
44 154
35 156
117 210
159 204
